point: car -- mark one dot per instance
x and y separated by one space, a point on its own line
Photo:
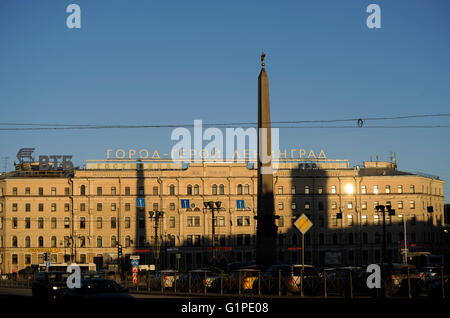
199 280
49 285
97 288
247 277
168 277
287 279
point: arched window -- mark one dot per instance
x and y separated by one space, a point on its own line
27 241
239 189
246 189
196 189
214 189
83 190
14 241
189 189
221 189
99 241
41 241
53 241
172 189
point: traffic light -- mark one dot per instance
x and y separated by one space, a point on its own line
120 250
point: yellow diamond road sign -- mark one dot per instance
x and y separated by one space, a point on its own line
303 224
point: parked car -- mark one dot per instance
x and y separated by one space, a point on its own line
97 288
288 278
197 280
49 285
246 276
168 277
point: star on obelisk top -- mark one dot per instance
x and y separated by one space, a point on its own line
263 57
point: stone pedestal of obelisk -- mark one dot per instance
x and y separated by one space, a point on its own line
266 230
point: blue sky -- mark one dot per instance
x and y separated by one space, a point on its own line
161 62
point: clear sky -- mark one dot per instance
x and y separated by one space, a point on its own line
170 62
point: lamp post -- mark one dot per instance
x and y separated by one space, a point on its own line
381 208
156 215
213 206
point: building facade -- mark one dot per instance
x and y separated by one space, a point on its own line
84 215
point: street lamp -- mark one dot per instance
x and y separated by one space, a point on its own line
381 208
156 215
213 206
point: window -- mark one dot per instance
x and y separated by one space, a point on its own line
27 207
83 190
400 205
293 191
127 191
53 191
334 205
41 192
375 189
189 190
307 205
196 189
413 220
127 222
411 189
363 189
306 189
350 220
41 241
388 189
239 189
219 221
82 222
113 207
27 191
113 191
82 243
40 223
349 205
334 220
66 207
376 219
333 189
280 206
172 206
294 206
127 241
375 203
113 222
41 207
320 190
281 221
66 191
14 191
14 207
155 190
214 189
364 205
27 223
400 219
14 241
246 189
364 220
155 206
280 190
243 221
99 207
99 190
172 222
14 223
399 189
99 222
113 241
193 221
320 206
99 241
412 204
222 189
127 206
66 223
172 189
53 207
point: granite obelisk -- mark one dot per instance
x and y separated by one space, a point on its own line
266 230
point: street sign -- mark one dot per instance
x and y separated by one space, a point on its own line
134 262
135 269
140 202
303 224
47 264
135 257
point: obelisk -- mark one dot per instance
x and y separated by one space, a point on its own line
266 230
